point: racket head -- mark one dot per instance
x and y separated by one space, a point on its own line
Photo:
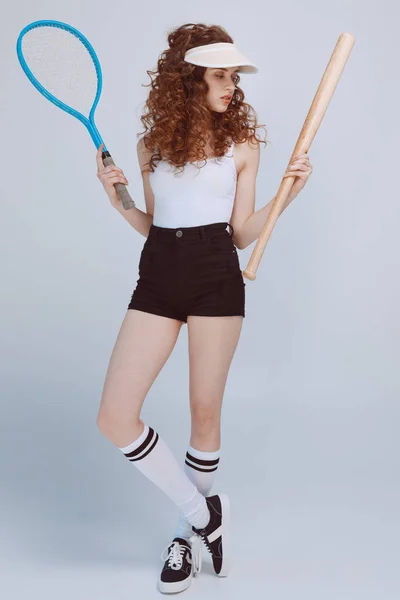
97 83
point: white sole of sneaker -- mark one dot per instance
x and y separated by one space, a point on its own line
226 542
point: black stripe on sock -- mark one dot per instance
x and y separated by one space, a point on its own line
134 455
200 461
198 468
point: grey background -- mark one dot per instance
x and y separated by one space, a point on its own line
310 449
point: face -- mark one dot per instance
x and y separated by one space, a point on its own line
221 81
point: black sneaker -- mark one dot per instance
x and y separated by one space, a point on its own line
182 563
215 534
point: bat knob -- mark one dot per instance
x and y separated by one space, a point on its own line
249 274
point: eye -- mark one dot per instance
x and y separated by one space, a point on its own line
235 79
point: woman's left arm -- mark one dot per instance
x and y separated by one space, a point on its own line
247 223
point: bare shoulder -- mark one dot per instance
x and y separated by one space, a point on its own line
247 155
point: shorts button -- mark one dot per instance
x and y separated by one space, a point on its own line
179 233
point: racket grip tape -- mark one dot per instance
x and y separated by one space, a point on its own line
120 188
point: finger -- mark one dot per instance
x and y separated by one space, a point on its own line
99 160
298 166
111 168
295 174
302 160
115 179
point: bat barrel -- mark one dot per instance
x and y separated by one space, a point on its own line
310 127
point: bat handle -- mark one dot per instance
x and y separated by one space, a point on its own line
249 274
120 188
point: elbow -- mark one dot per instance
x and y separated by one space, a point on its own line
236 241
243 246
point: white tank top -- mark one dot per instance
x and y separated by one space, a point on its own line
196 196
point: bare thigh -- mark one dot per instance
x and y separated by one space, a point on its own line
143 346
212 344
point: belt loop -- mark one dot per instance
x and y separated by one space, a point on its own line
202 232
231 229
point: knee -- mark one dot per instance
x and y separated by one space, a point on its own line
105 423
112 425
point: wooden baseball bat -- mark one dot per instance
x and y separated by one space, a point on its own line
312 122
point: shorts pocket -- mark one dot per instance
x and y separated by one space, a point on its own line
222 245
150 242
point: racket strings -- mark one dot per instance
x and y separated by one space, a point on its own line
62 65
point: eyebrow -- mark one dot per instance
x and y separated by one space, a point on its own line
223 69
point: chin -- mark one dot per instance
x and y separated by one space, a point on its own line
220 109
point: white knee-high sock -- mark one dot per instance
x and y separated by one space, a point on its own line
201 468
151 455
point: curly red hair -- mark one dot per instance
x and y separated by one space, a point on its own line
177 120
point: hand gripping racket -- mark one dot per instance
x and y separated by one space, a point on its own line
62 64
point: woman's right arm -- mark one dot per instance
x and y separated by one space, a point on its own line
139 220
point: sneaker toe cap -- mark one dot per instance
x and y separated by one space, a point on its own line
171 576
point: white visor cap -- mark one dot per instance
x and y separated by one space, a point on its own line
221 54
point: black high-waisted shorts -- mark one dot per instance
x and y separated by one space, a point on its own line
190 271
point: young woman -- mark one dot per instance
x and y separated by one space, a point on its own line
196 216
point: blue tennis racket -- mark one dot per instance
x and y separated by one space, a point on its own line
62 64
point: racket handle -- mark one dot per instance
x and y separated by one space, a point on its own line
120 188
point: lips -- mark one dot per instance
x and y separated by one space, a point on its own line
226 97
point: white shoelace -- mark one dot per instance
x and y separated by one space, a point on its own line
175 555
177 550
196 544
